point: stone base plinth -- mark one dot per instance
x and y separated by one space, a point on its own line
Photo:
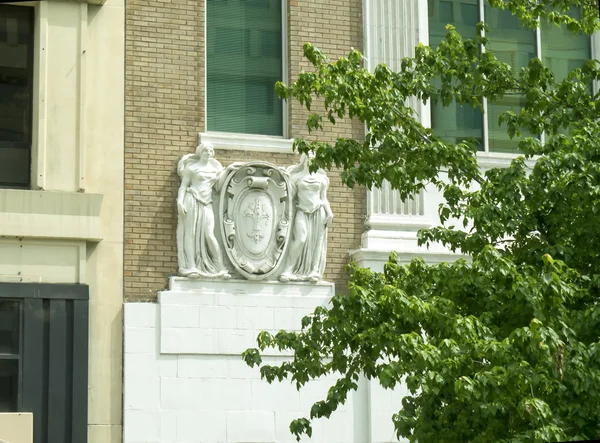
223 317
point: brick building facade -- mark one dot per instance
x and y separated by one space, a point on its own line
184 379
165 111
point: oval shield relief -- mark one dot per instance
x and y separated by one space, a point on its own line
255 219
255 204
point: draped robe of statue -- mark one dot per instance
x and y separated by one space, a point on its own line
198 252
312 216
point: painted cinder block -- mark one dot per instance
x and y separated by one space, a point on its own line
218 317
150 365
188 341
275 397
201 366
180 394
179 316
141 393
201 426
168 426
237 368
140 315
255 317
141 425
226 395
140 340
251 427
235 341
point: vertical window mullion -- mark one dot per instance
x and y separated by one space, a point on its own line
284 64
484 114
538 43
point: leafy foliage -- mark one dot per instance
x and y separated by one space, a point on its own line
503 346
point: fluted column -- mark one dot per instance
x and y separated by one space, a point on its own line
392 29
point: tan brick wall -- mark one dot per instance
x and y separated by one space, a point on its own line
165 111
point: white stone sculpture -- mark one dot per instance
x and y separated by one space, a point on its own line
312 216
198 252
271 221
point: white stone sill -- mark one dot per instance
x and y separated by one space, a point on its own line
488 160
265 143
377 258
247 142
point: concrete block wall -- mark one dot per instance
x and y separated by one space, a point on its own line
185 381
184 378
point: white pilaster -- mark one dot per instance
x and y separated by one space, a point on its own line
392 30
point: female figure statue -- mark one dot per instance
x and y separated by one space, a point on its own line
306 260
198 251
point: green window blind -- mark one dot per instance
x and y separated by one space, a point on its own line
244 60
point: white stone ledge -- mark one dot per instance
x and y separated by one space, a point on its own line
398 222
247 142
489 160
249 287
377 258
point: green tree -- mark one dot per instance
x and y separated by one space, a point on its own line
500 346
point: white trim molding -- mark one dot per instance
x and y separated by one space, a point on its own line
247 142
375 259
489 160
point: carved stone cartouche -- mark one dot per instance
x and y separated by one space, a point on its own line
272 222
256 208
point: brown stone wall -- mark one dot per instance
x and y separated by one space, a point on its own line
165 112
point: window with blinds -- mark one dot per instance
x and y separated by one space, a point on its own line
244 60
560 50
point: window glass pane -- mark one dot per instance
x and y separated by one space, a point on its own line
14 166
454 122
9 385
9 327
513 44
244 60
463 15
499 141
563 51
16 44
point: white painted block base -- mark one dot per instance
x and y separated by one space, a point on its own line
185 380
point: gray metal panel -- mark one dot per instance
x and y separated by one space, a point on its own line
44 290
80 371
58 373
55 358
34 379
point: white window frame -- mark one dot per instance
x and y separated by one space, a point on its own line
252 142
490 159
